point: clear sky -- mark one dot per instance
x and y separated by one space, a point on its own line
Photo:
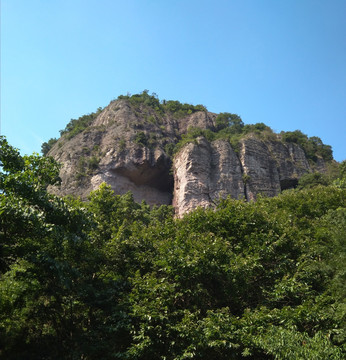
281 62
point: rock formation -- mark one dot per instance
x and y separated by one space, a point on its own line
129 147
204 173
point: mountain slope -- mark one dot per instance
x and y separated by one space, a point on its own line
172 153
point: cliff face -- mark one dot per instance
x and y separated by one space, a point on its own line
128 147
205 172
107 151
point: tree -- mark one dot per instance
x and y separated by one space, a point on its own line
313 146
341 179
311 180
55 301
228 120
113 279
46 146
247 280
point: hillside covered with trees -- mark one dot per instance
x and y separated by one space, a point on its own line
113 279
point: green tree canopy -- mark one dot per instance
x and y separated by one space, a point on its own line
228 120
113 279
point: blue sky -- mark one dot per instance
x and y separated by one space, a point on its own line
281 62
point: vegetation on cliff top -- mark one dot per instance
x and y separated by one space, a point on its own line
74 127
227 126
230 127
113 279
174 107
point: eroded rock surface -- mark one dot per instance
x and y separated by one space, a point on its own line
130 149
205 172
109 152
261 174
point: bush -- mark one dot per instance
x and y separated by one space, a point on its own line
231 121
141 139
122 145
93 162
313 146
75 126
308 181
113 279
46 146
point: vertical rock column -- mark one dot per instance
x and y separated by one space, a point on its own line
260 172
204 173
191 177
291 163
226 172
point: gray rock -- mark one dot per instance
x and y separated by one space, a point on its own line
127 146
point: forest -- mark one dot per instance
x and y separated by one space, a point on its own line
113 279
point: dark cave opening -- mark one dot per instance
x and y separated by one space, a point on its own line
288 184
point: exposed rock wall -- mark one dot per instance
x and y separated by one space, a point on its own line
204 172
259 168
226 177
291 163
108 152
142 171
200 119
127 147
191 177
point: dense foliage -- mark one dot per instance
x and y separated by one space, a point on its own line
161 107
113 279
312 146
46 146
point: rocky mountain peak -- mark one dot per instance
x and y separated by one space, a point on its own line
180 154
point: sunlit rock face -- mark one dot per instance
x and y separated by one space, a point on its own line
259 168
130 149
109 151
204 173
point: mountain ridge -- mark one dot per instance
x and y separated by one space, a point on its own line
155 150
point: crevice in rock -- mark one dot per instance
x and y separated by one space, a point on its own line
242 174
